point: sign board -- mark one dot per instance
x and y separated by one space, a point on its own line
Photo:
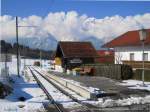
5 58
76 60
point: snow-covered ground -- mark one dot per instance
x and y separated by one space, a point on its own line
132 84
103 102
13 64
136 84
90 89
77 84
27 87
23 87
58 96
29 90
120 102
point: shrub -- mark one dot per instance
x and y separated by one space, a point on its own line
126 72
4 90
37 63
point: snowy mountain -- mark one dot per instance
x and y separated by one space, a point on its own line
97 43
49 43
45 43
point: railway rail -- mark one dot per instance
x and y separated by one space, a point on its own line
57 106
85 107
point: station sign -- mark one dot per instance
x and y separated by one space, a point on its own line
76 60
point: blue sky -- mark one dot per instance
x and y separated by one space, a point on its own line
97 9
64 20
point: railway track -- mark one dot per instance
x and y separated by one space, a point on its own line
84 106
57 106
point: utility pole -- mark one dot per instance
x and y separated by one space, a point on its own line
143 72
6 51
40 53
40 58
143 36
17 40
18 68
24 49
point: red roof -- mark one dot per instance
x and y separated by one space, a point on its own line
105 56
77 49
105 52
130 38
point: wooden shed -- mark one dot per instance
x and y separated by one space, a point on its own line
73 54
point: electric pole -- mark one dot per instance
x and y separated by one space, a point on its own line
40 58
18 52
18 68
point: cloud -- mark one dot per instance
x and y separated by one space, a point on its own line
71 26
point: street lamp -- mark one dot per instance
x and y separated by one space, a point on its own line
143 35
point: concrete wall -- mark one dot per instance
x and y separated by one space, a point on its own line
123 53
65 84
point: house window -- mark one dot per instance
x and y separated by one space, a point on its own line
145 56
131 56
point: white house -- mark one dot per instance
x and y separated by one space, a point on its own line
128 48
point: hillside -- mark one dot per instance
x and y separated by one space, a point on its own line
24 50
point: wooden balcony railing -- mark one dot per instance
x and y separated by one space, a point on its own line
137 64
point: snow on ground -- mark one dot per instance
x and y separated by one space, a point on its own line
132 84
13 64
136 84
90 89
120 102
29 89
56 94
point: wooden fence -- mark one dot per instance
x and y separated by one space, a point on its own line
114 71
138 64
138 74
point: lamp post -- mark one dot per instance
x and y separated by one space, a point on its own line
143 35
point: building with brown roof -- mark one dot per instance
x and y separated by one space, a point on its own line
105 56
73 54
128 49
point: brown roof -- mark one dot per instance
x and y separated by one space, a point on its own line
130 38
105 52
77 49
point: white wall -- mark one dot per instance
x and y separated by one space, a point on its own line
123 53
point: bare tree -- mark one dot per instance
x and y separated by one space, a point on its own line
118 58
